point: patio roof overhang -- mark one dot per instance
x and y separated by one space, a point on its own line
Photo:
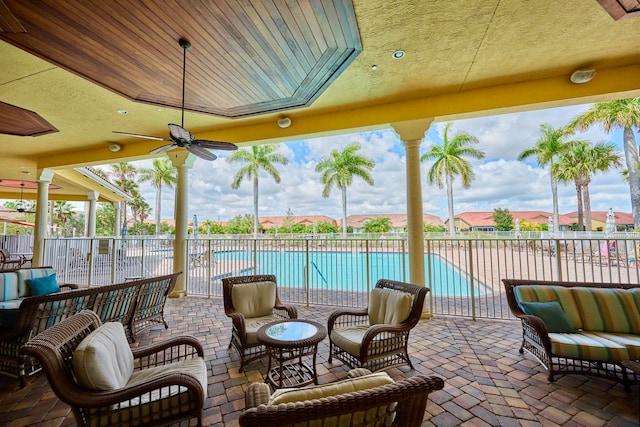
461 60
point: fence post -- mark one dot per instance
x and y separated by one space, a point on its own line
429 276
471 290
367 265
306 270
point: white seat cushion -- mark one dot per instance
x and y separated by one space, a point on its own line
252 325
349 338
195 367
103 360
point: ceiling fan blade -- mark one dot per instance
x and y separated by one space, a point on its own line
201 152
163 148
157 138
215 145
180 134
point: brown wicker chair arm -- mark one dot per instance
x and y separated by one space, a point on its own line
292 312
358 372
257 394
411 395
170 350
348 316
238 322
85 398
68 286
537 324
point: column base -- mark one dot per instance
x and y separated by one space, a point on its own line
178 294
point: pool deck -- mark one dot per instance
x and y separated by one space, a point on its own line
487 381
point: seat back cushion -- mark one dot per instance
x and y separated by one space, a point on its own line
543 293
103 360
30 273
551 314
8 286
254 299
388 306
287 395
43 285
607 310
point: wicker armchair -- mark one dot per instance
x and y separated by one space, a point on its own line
167 383
250 302
372 402
377 337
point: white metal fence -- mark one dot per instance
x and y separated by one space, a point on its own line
464 275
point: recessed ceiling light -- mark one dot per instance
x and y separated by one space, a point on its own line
121 111
374 67
398 54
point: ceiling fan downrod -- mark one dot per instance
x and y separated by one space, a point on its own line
184 44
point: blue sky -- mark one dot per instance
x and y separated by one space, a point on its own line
501 180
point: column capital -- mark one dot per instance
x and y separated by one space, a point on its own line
412 130
92 195
45 175
181 158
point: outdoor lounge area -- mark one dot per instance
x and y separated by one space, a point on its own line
487 381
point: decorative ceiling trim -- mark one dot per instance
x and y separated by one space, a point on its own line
619 9
8 22
20 122
259 57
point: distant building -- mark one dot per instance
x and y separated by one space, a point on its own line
483 221
289 220
398 221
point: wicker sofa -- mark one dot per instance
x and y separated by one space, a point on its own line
363 399
137 304
579 328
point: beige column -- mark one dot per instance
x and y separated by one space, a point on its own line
116 219
44 177
183 161
91 214
412 133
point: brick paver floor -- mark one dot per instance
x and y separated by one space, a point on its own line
487 381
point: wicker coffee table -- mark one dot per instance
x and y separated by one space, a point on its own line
287 342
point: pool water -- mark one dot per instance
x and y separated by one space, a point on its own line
350 271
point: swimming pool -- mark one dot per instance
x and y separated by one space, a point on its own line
350 271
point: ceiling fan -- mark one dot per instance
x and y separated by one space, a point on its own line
180 137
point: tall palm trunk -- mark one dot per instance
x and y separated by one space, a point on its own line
554 195
631 158
158 204
587 206
452 223
344 212
255 206
580 208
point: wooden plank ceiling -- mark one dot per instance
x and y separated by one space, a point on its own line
247 58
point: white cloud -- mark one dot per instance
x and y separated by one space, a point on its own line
501 180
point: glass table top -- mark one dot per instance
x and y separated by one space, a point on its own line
291 331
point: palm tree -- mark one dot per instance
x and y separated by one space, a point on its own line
124 175
548 148
339 168
449 162
579 165
623 114
162 173
259 157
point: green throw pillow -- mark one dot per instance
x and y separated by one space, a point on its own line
552 315
43 285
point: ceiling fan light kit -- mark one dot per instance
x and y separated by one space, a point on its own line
179 136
